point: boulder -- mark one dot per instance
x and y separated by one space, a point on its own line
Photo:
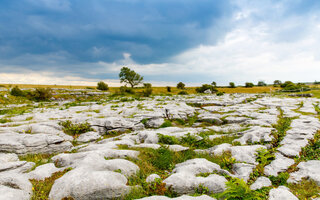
85 184
152 177
260 183
309 170
279 164
154 123
14 186
43 171
282 193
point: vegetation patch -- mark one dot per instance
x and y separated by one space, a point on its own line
38 159
41 188
75 129
305 189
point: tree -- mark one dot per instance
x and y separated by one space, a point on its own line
102 86
214 84
261 83
232 85
129 76
248 85
277 83
181 85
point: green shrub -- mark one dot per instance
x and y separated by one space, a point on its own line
102 86
249 85
264 157
220 93
147 89
168 89
41 94
237 189
125 89
183 93
75 129
166 139
232 85
281 179
181 85
165 124
261 83
16 91
205 87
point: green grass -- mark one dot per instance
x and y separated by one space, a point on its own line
41 189
193 142
38 159
305 189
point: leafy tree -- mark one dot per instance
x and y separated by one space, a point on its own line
181 85
102 86
277 83
232 85
214 84
262 83
129 76
168 89
249 85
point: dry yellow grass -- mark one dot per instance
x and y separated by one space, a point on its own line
46 86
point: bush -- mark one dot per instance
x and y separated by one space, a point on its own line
281 179
220 93
181 85
277 83
183 93
16 91
125 89
75 129
249 85
232 85
102 86
206 87
168 89
147 89
41 94
166 139
165 124
261 83
238 189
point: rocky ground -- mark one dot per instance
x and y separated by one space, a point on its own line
179 147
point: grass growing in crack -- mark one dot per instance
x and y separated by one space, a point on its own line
194 142
281 179
75 129
38 159
165 124
305 189
41 188
312 151
281 127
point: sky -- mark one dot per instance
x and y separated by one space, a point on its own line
81 42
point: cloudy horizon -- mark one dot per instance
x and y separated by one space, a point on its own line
71 42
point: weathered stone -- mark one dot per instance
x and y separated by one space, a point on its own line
282 193
82 183
260 183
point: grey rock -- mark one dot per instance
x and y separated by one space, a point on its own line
246 153
184 179
309 170
152 177
154 122
279 164
282 193
242 170
260 183
14 186
88 137
84 184
43 171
